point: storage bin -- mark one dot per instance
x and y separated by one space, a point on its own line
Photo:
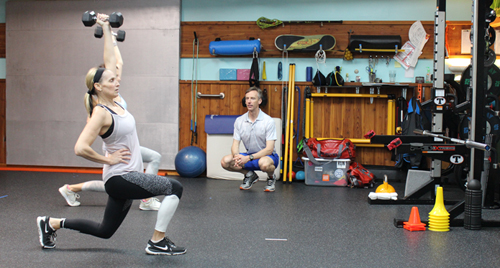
330 172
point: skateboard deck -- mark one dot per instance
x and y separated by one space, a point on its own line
305 43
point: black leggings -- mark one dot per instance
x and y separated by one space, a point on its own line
122 190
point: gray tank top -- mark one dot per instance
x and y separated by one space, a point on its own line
123 135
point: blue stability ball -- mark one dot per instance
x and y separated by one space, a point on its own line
300 176
190 162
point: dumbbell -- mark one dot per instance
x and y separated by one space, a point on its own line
89 18
120 35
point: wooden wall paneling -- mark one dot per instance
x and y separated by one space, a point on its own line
273 100
184 115
243 30
208 31
238 92
454 36
333 117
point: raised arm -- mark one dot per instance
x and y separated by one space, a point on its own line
119 60
109 48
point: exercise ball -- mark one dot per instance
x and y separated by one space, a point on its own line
300 176
190 162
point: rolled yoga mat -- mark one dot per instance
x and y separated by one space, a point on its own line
234 47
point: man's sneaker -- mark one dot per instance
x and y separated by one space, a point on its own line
70 196
164 247
270 184
45 232
250 179
151 204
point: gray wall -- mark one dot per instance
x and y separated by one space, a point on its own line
50 51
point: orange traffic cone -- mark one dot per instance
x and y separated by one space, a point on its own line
414 223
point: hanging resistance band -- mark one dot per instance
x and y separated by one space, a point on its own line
194 90
253 77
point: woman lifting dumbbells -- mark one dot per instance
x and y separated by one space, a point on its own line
151 157
122 172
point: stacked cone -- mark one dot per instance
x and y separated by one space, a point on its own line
439 218
414 223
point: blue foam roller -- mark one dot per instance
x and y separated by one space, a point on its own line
234 47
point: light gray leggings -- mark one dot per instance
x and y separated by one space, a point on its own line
152 158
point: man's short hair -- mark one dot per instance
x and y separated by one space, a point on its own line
259 91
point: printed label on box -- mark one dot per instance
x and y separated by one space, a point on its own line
318 169
326 177
341 164
339 173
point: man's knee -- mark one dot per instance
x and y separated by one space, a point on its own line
226 161
266 164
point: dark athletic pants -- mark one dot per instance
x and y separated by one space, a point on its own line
121 192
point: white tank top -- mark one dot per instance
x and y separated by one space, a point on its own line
123 135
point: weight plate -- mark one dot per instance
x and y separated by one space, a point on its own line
489 58
492 35
492 125
493 86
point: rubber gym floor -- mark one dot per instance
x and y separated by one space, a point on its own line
222 226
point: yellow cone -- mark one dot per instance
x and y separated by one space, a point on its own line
385 187
439 218
439 209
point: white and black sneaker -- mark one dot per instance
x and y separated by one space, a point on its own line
164 247
45 232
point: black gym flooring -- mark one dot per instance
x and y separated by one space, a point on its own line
222 226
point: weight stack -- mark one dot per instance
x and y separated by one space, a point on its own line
473 203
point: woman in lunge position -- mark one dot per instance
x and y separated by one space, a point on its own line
123 168
151 157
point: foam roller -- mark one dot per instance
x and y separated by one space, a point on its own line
234 47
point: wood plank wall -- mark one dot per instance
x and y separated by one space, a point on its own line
243 30
333 117
208 31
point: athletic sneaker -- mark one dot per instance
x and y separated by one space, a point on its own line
270 184
151 204
45 232
70 196
164 247
250 179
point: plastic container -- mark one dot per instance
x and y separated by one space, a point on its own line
331 172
